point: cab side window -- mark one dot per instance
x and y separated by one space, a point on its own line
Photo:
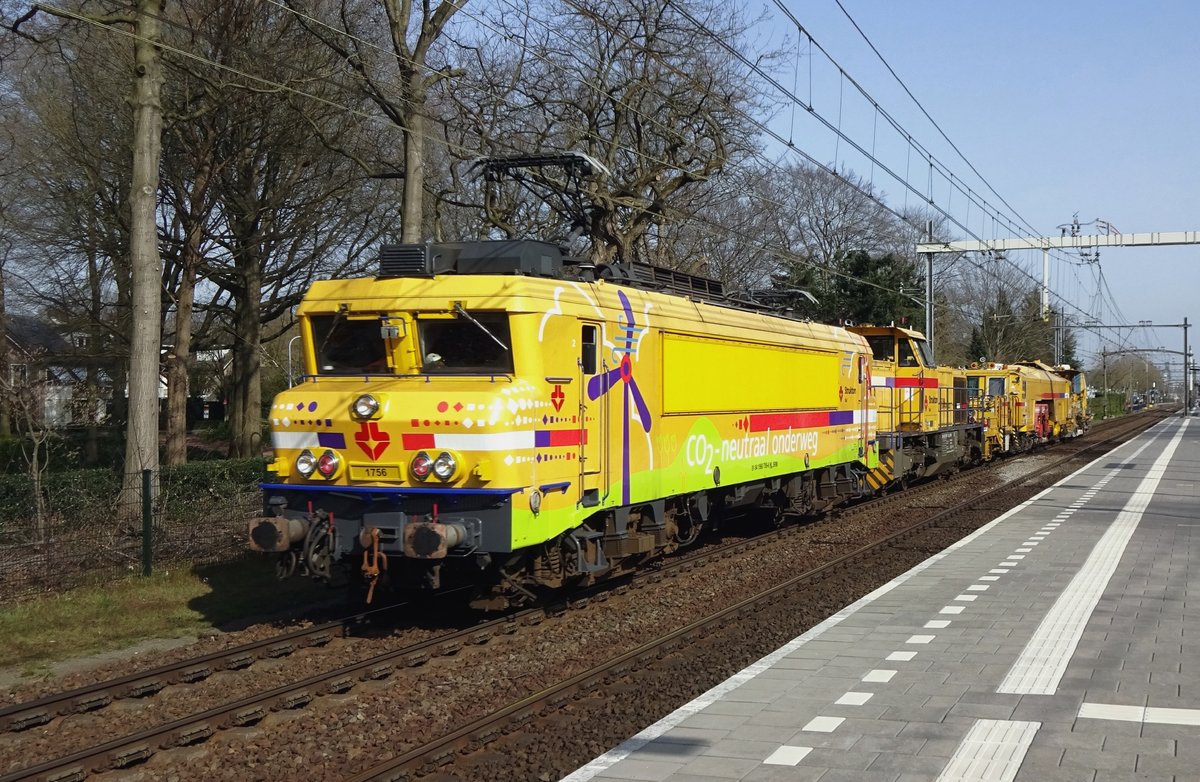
907 357
588 349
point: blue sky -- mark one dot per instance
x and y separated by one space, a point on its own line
1063 107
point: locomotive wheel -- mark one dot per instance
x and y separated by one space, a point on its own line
771 515
285 566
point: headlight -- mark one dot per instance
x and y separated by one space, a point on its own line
306 463
365 406
328 463
421 465
444 466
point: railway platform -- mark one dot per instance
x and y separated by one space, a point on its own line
1061 641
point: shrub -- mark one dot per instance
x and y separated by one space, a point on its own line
194 491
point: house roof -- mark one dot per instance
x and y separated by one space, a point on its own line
36 336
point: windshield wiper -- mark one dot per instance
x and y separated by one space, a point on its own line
458 309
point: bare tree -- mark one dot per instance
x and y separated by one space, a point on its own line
822 217
999 312
25 394
257 198
288 203
141 441
390 48
76 217
5 401
644 87
198 112
7 192
719 229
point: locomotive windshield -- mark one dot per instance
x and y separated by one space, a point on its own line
460 346
883 347
926 353
348 347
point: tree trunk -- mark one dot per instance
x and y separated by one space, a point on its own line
91 445
179 360
414 178
179 363
95 349
37 468
5 402
141 442
245 398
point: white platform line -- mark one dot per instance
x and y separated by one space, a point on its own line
1112 711
992 751
879 675
787 756
1155 715
1041 665
823 724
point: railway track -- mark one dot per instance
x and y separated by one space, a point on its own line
130 750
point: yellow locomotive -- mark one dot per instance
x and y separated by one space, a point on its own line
1078 415
925 428
497 414
1024 403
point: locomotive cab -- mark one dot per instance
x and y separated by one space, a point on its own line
925 428
1078 416
357 466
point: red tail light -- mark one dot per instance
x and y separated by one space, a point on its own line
328 463
421 466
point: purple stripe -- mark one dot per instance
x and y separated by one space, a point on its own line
541 439
841 417
331 440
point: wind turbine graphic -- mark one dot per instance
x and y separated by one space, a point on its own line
601 384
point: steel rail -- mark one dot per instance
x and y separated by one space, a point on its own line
22 716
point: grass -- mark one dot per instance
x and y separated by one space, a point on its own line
173 603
